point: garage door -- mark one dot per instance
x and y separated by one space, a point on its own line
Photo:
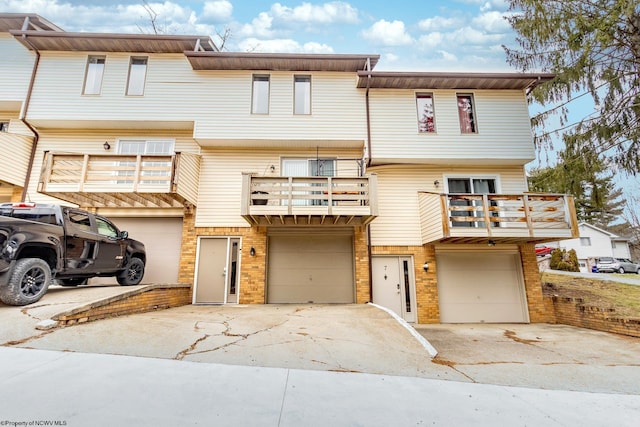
475 288
162 238
310 269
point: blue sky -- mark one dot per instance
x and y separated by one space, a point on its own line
454 35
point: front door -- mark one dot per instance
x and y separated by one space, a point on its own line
394 285
217 272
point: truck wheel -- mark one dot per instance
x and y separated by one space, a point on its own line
73 282
132 275
28 283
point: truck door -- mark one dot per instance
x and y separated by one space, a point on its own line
81 242
111 248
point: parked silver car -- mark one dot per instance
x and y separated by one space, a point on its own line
617 265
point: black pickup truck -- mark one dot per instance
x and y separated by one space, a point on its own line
44 242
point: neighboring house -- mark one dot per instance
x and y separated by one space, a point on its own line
292 178
595 243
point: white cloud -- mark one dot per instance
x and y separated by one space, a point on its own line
307 13
448 56
439 23
259 27
282 46
217 11
391 57
471 36
431 40
493 22
388 33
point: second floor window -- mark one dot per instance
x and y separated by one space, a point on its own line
93 76
260 96
426 115
137 75
466 113
585 241
302 95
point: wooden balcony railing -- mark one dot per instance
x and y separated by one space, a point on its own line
516 218
309 200
105 180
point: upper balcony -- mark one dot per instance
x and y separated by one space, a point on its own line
121 181
318 200
497 218
14 162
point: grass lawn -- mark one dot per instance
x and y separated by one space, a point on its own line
625 299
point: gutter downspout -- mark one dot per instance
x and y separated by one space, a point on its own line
24 114
369 164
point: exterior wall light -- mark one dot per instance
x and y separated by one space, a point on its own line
425 266
106 146
252 251
491 243
436 183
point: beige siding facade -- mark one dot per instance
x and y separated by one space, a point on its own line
219 198
13 167
398 222
15 69
503 136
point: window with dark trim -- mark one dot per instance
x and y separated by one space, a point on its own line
260 95
466 113
426 115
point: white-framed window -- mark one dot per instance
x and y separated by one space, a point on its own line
260 94
467 208
466 113
302 95
585 241
93 75
137 75
426 113
141 146
302 167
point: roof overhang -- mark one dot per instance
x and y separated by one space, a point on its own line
280 61
108 42
418 80
25 21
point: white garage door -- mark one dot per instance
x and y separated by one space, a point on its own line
310 269
162 238
475 288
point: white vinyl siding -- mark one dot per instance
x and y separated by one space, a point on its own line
15 69
219 194
215 104
503 137
13 168
398 222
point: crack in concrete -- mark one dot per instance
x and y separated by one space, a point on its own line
451 365
512 335
181 355
27 339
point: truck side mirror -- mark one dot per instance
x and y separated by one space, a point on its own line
124 234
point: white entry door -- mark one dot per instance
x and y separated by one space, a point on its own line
394 285
217 272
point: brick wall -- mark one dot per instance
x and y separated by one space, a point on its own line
362 267
150 298
573 312
426 282
538 312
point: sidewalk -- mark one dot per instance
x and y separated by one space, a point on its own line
79 389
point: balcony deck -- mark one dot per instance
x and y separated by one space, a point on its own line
317 201
116 181
497 218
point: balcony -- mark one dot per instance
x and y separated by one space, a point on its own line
14 166
316 201
496 218
121 181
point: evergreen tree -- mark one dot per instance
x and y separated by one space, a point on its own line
593 48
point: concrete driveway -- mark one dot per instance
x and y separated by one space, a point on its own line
340 338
